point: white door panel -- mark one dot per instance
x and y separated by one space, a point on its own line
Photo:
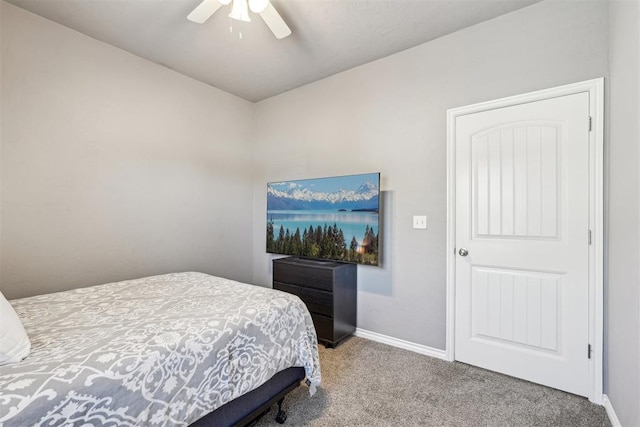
515 174
522 212
512 306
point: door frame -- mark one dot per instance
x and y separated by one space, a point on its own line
595 88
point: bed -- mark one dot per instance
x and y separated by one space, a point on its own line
169 350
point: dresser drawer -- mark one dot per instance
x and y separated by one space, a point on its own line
324 327
320 302
302 275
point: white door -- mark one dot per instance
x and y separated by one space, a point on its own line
522 220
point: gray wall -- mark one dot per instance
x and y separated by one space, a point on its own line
114 167
623 266
390 116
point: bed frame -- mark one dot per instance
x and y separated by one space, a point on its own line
251 406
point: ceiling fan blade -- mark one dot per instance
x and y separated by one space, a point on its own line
203 11
272 18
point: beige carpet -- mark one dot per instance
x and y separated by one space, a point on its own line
365 383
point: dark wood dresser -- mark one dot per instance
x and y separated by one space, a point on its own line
327 288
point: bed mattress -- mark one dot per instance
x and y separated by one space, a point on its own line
162 351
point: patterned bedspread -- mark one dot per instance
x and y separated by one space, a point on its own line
159 351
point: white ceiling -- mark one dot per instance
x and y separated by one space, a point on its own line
328 36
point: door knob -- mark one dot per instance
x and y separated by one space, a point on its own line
463 252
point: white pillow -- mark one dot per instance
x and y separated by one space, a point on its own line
14 342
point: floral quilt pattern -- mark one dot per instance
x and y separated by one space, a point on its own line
157 351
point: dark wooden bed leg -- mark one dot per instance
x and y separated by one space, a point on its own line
281 416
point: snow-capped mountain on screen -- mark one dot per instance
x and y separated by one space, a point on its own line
296 195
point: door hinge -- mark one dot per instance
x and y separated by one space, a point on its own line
589 237
588 351
590 124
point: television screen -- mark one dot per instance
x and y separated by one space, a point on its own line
332 218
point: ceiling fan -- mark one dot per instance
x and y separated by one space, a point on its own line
240 11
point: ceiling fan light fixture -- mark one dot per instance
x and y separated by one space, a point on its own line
240 11
258 6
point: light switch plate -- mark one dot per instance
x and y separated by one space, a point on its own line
420 222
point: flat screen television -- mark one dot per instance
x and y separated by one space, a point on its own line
333 218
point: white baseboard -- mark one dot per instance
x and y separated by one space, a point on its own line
615 422
406 345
